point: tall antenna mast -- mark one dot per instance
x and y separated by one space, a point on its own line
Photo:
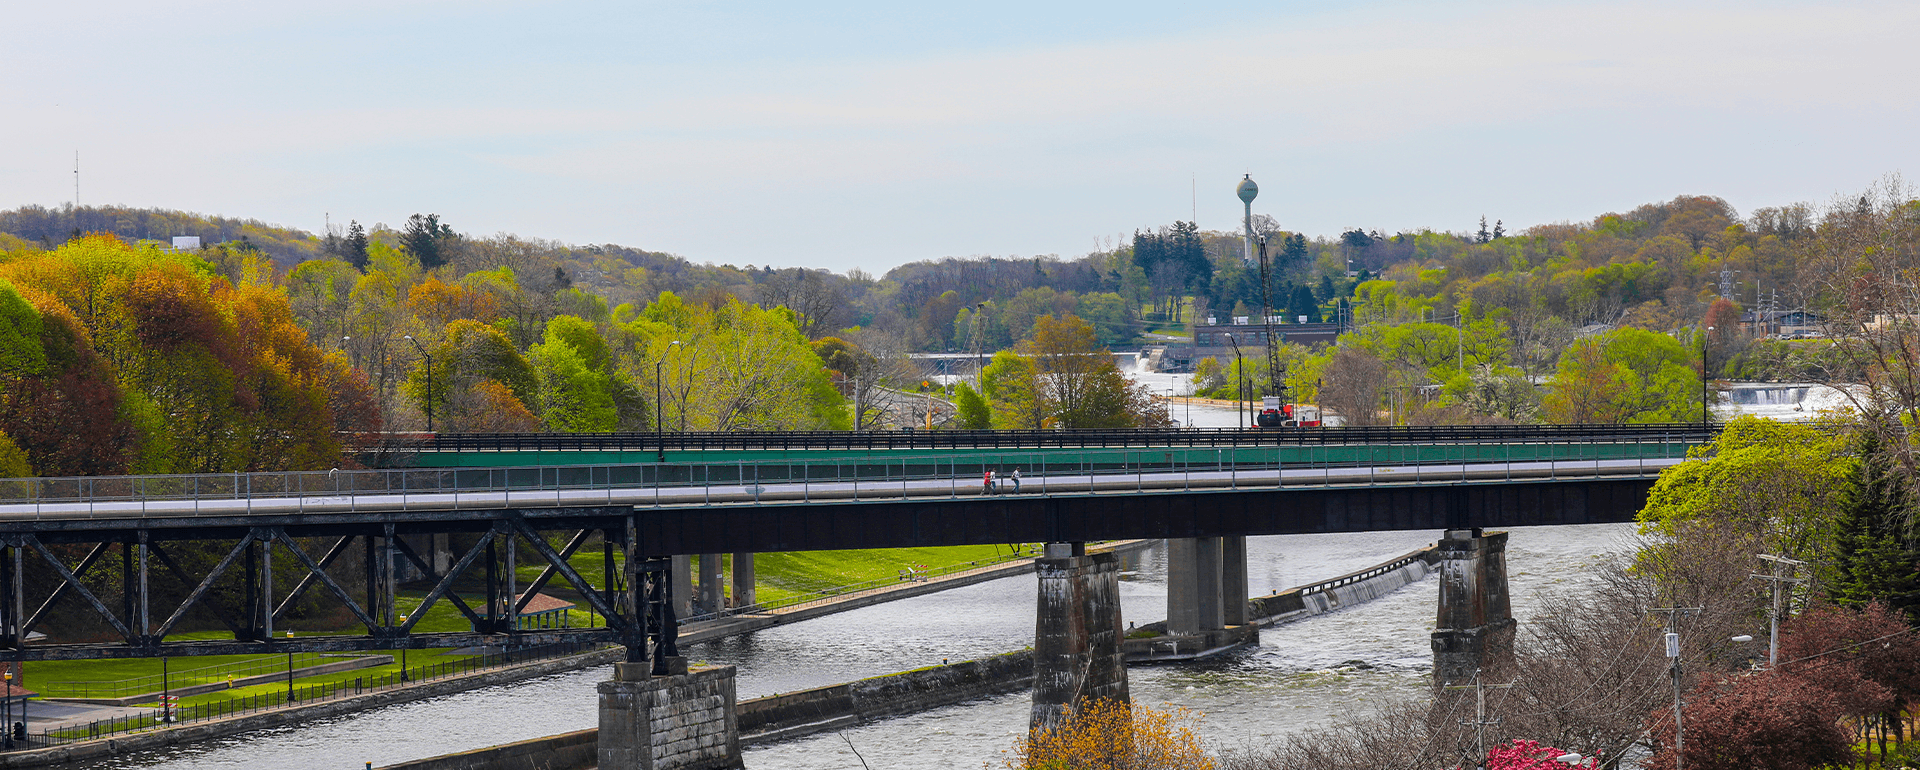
76 185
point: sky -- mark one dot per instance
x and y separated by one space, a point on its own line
869 134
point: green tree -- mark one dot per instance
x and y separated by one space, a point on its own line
973 413
1761 487
1876 557
576 380
428 240
1625 376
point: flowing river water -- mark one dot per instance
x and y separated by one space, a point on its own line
1300 675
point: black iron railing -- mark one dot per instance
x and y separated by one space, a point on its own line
1043 439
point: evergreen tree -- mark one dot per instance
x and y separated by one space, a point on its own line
1877 556
426 239
1482 236
356 245
1499 228
1302 304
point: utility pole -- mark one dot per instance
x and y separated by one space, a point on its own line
1679 700
1480 720
1779 582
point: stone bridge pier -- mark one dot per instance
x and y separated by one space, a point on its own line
1076 646
1474 631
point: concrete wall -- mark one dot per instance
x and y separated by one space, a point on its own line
791 715
576 749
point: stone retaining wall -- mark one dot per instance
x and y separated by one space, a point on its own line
576 749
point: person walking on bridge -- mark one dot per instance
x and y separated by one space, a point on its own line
986 482
1016 481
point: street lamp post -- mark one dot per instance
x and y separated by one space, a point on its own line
659 402
403 653
9 675
979 360
289 669
1240 373
429 357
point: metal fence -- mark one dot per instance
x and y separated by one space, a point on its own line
300 694
185 677
829 479
1033 439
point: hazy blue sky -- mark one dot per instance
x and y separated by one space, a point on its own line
870 134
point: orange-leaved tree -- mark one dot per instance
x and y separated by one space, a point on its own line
1114 735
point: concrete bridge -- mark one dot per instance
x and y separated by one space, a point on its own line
354 533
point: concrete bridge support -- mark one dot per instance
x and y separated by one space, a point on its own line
681 593
1233 580
1474 631
1076 647
713 588
1194 606
743 577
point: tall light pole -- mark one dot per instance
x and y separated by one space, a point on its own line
1240 375
429 357
979 363
660 402
1704 420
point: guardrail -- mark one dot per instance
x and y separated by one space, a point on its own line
831 479
1366 574
1027 439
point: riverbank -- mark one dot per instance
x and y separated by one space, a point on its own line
690 634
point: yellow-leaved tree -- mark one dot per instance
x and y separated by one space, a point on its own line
1114 735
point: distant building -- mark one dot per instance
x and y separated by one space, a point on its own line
1210 340
1791 323
186 243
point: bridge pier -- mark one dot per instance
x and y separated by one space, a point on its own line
1233 580
1474 630
680 588
713 588
682 721
743 577
1076 646
1194 607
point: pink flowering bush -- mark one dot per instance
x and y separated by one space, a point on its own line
1531 755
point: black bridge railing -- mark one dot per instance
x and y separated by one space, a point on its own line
1045 439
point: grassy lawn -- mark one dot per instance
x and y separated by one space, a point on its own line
781 575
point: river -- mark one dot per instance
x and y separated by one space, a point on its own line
1301 674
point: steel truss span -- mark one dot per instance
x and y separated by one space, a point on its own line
167 574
